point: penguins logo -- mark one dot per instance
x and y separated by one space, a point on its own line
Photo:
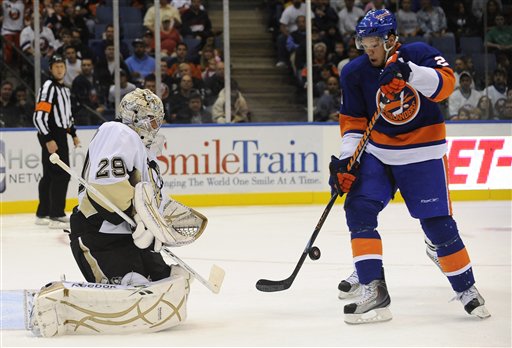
403 109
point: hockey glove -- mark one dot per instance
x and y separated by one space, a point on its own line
341 180
142 237
393 78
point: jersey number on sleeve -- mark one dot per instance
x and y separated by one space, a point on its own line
441 61
115 166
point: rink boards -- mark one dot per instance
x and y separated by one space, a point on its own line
258 164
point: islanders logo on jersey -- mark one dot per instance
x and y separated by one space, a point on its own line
403 109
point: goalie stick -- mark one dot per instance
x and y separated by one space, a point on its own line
267 285
216 273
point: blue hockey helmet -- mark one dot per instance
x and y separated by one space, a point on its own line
378 23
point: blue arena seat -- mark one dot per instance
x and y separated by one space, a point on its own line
132 30
130 15
479 61
472 44
104 14
445 44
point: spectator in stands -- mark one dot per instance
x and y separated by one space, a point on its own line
149 44
338 54
214 84
461 22
179 98
499 38
165 9
182 5
82 50
206 55
328 105
320 86
498 89
319 63
196 23
169 36
125 88
477 7
186 69
108 37
348 19
239 107
47 42
54 21
353 53
64 40
407 20
463 96
493 10
182 57
25 108
89 104
500 109
458 67
287 26
432 20
140 64
507 113
485 107
104 69
12 24
462 115
73 65
296 45
195 112
325 16
8 112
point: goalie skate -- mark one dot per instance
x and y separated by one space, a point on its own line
373 306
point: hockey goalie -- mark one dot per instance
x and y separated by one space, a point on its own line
130 288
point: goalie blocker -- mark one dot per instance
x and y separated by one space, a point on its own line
62 307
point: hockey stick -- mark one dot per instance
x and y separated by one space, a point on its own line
216 273
266 285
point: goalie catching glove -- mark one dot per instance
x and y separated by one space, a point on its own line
173 225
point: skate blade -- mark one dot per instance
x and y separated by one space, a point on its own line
373 316
481 312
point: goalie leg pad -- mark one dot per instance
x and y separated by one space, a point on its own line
62 308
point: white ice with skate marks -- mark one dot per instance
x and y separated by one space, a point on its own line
265 242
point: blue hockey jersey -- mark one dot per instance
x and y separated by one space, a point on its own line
411 129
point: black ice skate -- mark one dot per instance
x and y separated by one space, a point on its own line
473 302
349 287
373 306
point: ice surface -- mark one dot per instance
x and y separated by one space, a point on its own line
265 242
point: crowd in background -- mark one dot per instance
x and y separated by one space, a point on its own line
192 67
463 30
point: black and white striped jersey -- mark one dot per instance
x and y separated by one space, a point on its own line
53 110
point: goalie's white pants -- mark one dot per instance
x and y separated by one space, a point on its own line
62 308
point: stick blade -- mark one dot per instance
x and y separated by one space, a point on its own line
266 285
216 278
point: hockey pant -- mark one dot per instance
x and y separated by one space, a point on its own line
104 257
424 188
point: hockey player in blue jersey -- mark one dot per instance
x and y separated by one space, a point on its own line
406 151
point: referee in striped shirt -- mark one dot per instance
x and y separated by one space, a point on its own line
54 121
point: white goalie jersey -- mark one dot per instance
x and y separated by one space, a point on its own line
116 161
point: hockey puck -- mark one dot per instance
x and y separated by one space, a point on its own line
314 253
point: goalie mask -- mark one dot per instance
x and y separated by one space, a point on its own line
142 111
